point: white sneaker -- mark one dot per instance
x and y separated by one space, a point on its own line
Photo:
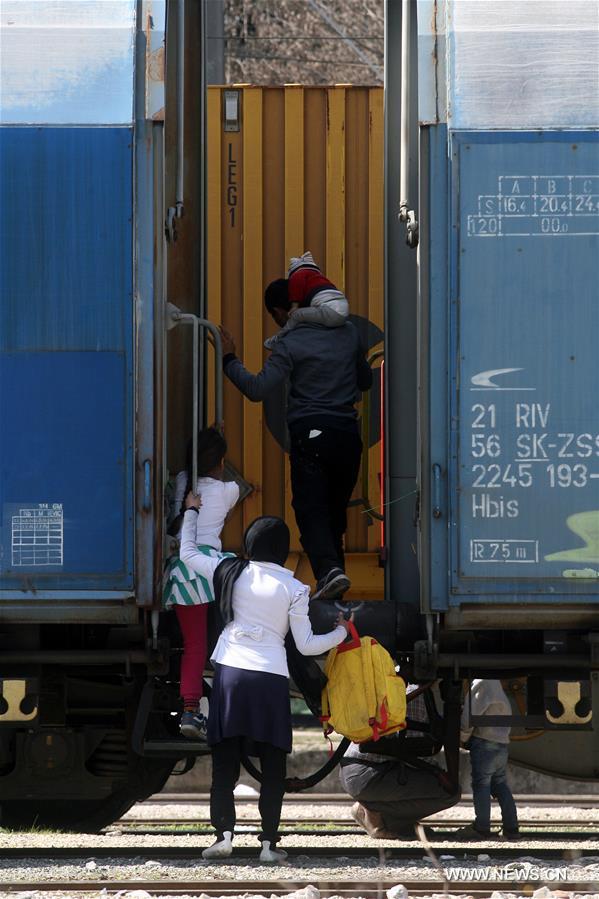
273 856
222 848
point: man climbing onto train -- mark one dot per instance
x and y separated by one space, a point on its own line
326 369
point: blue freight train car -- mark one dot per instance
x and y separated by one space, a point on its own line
80 149
499 186
490 376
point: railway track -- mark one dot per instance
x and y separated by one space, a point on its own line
541 800
450 824
563 841
341 825
438 838
368 889
509 851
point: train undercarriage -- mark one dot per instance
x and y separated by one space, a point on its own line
89 715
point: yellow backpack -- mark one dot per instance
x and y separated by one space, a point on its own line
364 699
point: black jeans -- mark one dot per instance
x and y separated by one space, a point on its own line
324 471
226 761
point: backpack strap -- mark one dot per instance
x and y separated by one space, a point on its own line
354 643
384 714
324 703
380 702
369 685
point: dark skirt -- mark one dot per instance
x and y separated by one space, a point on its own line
250 704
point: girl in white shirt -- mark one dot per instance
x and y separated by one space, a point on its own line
186 591
259 601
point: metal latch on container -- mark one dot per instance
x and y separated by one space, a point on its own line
147 494
169 226
231 110
436 490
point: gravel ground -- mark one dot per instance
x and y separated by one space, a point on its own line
303 867
338 810
309 892
38 868
585 870
37 841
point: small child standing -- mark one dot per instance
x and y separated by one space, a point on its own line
187 591
309 295
488 759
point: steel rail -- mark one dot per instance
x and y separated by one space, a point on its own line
512 851
581 800
327 888
437 824
439 839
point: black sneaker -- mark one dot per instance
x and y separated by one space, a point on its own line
194 726
470 832
333 585
511 834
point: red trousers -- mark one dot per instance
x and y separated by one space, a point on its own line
192 621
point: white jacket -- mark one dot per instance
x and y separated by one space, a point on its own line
267 601
487 697
218 498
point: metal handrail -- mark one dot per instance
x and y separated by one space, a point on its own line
175 317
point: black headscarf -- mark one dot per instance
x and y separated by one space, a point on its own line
265 540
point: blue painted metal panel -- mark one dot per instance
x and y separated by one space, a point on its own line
67 451
66 359
524 455
66 237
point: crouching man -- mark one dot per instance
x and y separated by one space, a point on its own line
394 787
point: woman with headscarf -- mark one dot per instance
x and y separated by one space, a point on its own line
259 601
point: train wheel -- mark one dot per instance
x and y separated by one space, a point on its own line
87 816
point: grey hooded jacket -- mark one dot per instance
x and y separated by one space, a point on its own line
326 369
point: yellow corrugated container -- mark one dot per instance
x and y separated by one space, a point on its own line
304 171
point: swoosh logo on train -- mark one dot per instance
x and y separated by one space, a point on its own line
484 380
